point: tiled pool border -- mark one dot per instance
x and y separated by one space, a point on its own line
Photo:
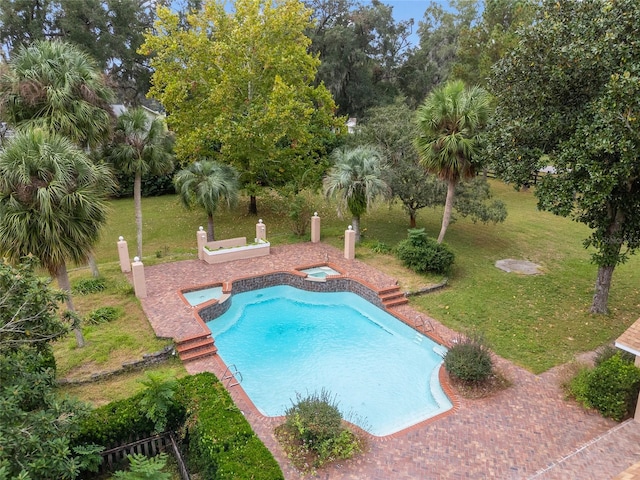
214 308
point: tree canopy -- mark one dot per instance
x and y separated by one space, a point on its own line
238 88
569 97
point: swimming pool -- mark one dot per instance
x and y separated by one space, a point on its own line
284 341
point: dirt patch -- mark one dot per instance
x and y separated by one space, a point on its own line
523 267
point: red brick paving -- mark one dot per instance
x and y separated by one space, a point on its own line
526 431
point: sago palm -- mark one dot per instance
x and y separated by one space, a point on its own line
450 122
52 203
56 86
141 146
206 184
356 179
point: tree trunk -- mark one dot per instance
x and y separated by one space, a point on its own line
93 265
210 232
63 282
412 219
137 202
355 223
448 208
601 295
253 205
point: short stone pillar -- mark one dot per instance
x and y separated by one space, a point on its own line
315 228
350 243
139 284
201 236
261 231
123 255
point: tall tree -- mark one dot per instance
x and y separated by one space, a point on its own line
483 43
569 97
361 48
140 145
430 64
357 179
54 85
238 88
206 184
52 203
109 30
451 121
35 426
393 130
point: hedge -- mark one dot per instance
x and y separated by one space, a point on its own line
219 441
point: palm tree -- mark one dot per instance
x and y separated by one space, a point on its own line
207 183
55 85
451 121
357 179
52 203
141 146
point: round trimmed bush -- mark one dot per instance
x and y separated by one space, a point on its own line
423 254
469 360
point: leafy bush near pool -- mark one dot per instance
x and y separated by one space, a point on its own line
103 315
607 351
218 441
469 359
87 286
423 254
314 423
611 387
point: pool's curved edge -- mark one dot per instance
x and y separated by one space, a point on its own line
208 312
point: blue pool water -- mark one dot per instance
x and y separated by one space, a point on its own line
284 341
320 272
196 297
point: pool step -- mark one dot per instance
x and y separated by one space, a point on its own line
195 347
392 297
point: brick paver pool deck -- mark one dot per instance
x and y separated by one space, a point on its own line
528 431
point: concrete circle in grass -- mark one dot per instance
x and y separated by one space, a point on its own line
523 267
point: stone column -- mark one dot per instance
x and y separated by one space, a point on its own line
315 228
350 243
201 237
139 284
261 231
123 255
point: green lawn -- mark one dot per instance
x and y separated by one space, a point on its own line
535 321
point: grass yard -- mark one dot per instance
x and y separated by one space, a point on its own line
535 321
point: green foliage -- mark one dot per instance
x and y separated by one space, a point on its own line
103 315
380 247
316 422
221 443
469 359
259 113
158 399
423 254
152 185
472 200
144 468
611 387
607 351
86 286
568 97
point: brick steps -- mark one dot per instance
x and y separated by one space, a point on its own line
196 347
392 297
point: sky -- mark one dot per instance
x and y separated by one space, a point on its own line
407 9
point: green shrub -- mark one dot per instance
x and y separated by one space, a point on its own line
380 247
103 315
611 387
316 422
87 286
158 399
423 254
607 351
469 359
316 417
